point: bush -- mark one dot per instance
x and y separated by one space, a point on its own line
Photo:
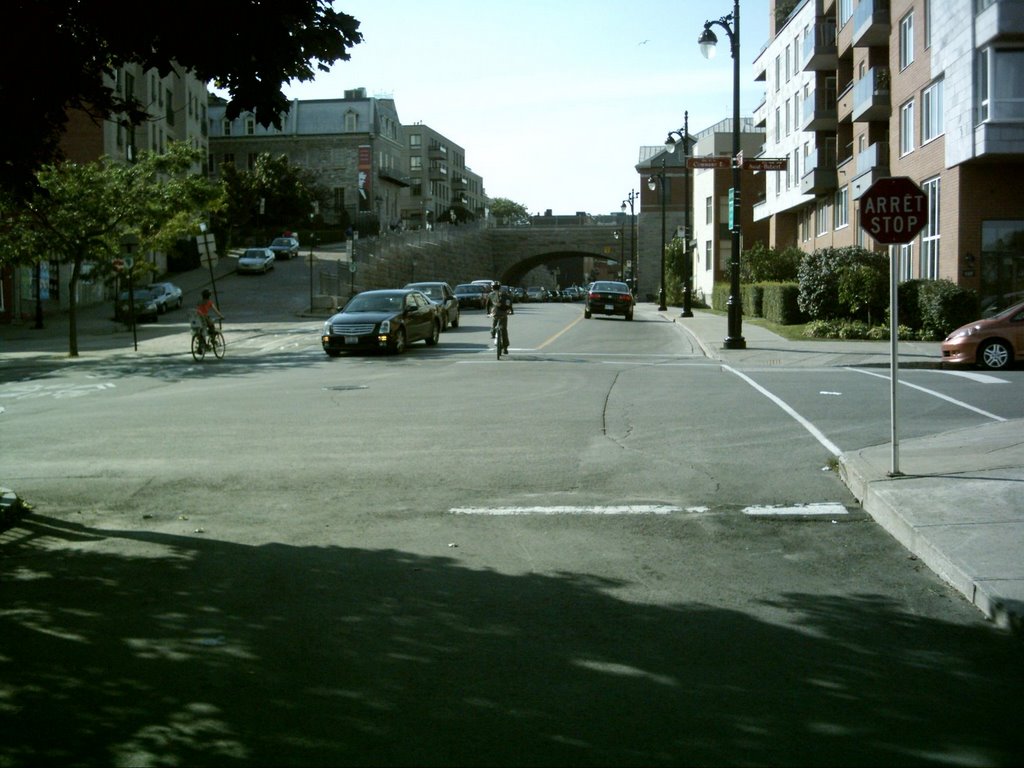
761 264
943 306
821 273
780 303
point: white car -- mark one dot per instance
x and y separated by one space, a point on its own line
166 295
256 260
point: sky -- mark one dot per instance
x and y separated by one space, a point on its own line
550 99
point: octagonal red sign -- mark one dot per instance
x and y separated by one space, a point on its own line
894 210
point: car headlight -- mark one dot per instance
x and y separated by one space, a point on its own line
327 328
385 327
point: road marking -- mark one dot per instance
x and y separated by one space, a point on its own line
577 321
826 508
932 392
817 433
983 378
624 509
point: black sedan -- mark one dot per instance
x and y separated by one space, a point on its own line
142 301
608 297
441 294
472 295
385 321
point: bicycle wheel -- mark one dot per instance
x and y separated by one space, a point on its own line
198 347
219 345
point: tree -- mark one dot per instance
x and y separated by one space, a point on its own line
508 212
85 213
247 48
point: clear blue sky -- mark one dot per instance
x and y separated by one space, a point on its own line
551 99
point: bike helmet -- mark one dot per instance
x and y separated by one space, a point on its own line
206 293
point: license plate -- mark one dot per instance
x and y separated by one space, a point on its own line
351 339
609 307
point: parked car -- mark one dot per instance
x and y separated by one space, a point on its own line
992 342
383 320
256 260
608 297
472 295
518 294
166 295
285 247
441 294
142 301
536 293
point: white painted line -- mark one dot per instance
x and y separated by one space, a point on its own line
827 508
932 392
625 509
983 378
817 433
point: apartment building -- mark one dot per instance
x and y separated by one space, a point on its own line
857 90
177 112
440 183
355 145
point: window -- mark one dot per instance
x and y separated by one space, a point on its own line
787 64
927 23
226 127
707 255
841 210
796 110
907 128
796 55
229 157
211 165
415 141
1001 84
778 73
351 121
788 123
906 262
796 165
931 112
416 163
821 217
845 11
250 126
930 233
907 40
778 125
709 211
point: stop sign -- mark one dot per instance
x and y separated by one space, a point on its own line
893 210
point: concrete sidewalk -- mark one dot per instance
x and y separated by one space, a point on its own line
957 502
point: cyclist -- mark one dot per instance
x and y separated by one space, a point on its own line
499 307
203 309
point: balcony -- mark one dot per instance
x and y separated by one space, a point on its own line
844 104
1002 19
871 23
872 164
820 110
819 173
820 51
871 96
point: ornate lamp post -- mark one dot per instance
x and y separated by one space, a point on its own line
652 185
620 235
670 144
707 42
631 199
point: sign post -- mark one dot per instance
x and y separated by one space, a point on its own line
893 211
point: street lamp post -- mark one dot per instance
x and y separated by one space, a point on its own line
620 235
670 145
651 185
631 199
707 42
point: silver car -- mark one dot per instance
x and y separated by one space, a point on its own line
256 260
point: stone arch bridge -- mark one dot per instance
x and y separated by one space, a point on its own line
547 255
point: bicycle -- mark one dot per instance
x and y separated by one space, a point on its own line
501 334
201 344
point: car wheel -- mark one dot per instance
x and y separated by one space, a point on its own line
995 355
455 320
398 345
629 315
586 314
333 352
432 339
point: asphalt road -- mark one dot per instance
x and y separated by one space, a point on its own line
603 550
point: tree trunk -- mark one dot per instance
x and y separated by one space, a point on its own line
72 308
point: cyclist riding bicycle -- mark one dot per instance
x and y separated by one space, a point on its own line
203 309
499 307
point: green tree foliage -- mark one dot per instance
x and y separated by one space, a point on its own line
508 212
761 264
821 272
676 267
86 213
864 291
290 194
248 48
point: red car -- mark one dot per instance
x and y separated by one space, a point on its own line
993 342
608 297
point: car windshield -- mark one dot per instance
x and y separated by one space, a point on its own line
375 303
432 291
282 241
254 253
468 289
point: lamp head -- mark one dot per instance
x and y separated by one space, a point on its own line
707 42
670 144
623 206
651 184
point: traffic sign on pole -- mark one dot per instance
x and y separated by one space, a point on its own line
894 210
